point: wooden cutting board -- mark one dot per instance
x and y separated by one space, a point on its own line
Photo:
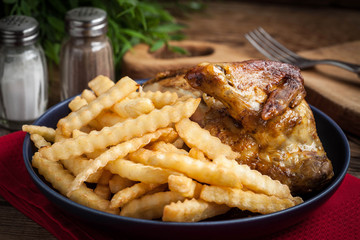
140 63
333 90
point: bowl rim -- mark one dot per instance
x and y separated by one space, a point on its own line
325 193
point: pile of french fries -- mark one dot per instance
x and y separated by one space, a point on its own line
125 151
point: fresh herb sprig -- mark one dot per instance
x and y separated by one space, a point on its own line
130 22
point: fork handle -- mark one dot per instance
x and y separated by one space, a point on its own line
345 65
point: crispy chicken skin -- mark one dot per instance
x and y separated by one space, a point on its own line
258 108
247 86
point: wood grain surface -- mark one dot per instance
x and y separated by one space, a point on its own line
334 90
300 28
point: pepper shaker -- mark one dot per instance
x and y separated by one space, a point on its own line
23 72
87 51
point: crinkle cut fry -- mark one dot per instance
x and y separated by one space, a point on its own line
206 172
102 188
197 154
77 103
150 206
75 120
118 183
100 84
185 186
159 99
46 132
39 141
133 107
193 210
158 118
195 136
254 180
166 147
142 155
61 179
77 164
115 152
88 95
126 195
226 174
140 172
246 200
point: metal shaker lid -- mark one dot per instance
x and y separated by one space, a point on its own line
18 30
86 22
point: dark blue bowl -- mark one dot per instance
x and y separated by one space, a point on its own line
334 142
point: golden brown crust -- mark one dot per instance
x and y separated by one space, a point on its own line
242 86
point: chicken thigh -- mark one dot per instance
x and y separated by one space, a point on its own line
266 99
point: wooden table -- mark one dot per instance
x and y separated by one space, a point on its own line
300 27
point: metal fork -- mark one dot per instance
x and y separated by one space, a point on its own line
272 49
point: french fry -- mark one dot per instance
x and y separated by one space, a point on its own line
166 147
184 186
133 107
103 191
193 210
140 172
77 133
206 172
46 132
126 195
179 143
169 138
117 183
254 180
245 200
105 177
150 206
230 174
160 99
85 129
142 156
75 120
198 154
61 179
59 136
77 103
121 132
78 164
118 151
39 141
102 188
100 84
108 119
95 154
160 188
195 136
88 95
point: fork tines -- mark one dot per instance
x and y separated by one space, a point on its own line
270 47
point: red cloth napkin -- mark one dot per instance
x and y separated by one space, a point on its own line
338 218
18 189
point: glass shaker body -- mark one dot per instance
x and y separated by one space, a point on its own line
82 59
86 52
23 80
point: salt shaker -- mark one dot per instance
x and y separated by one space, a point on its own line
86 52
23 72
